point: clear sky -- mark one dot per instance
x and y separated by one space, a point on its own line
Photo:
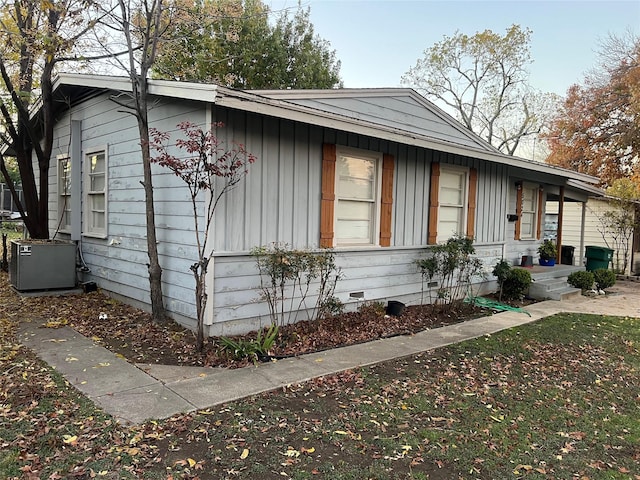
377 41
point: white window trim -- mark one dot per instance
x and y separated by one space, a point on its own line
97 233
444 236
536 201
375 223
64 198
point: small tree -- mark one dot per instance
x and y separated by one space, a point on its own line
210 167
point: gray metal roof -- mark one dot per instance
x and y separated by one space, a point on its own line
395 114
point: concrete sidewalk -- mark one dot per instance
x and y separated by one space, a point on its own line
135 393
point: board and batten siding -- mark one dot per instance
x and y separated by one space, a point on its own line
117 262
279 200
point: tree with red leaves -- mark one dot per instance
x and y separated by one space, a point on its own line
208 168
597 130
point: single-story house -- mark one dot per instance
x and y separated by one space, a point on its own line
376 174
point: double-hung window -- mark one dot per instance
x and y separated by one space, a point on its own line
357 198
528 210
96 193
452 199
64 193
356 205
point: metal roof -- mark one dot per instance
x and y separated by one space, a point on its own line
395 114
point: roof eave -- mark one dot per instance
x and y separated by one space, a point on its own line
279 108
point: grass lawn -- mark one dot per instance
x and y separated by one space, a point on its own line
559 398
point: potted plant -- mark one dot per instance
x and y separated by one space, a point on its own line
548 252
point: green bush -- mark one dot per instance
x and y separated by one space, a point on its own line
604 278
516 283
583 280
501 272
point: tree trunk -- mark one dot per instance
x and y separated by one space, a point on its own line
155 271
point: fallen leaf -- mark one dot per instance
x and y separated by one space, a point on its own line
70 439
245 454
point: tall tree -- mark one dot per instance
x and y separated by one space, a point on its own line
483 79
232 43
597 129
35 38
141 24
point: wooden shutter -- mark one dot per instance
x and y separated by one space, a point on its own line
518 210
539 219
386 203
328 195
471 210
432 238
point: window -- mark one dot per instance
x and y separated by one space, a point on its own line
96 193
528 209
357 199
64 193
452 202
529 212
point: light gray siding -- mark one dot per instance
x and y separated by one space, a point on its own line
278 201
117 263
381 274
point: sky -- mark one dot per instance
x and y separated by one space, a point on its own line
377 41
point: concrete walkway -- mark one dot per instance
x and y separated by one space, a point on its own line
135 393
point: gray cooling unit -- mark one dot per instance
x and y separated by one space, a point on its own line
42 265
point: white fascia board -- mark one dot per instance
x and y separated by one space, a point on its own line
281 109
164 88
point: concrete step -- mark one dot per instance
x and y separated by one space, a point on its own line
552 289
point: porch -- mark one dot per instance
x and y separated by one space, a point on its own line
550 283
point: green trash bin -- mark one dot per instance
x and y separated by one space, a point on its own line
598 257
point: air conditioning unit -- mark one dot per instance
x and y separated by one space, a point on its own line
42 265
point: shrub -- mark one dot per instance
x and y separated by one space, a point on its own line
501 272
454 267
604 278
516 283
582 280
289 276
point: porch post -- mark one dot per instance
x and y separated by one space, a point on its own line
582 222
559 237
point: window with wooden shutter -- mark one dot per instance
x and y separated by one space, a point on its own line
357 197
528 210
452 206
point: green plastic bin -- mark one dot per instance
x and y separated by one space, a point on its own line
598 257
